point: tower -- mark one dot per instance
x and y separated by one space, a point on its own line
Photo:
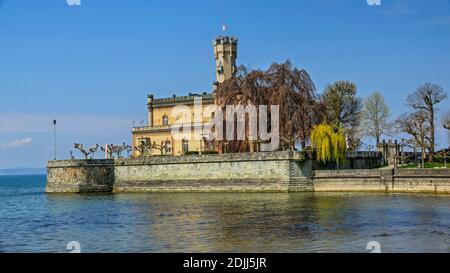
225 55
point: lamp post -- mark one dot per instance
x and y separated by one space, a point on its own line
54 139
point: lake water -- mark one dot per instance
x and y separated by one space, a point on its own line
32 221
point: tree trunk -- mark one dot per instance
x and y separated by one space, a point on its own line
424 155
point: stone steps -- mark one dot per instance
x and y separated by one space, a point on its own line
301 184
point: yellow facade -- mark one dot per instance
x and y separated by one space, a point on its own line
165 113
162 114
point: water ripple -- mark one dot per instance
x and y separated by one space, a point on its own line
32 221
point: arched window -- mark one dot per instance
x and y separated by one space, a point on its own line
165 120
220 68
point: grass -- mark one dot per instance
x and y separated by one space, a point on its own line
427 165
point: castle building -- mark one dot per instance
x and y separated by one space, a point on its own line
157 138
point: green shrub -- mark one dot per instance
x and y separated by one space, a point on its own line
210 152
191 153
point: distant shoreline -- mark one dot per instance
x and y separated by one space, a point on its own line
32 174
23 171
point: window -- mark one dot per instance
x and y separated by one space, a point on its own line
165 121
185 146
167 146
220 70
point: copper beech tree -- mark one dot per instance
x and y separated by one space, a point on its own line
282 84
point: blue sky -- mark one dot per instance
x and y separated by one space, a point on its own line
92 66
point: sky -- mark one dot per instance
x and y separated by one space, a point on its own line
91 66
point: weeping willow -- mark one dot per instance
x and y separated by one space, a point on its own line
329 143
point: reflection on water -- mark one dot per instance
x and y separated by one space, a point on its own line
197 222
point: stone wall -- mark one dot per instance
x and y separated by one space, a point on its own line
80 176
400 180
230 172
253 172
426 180
248 172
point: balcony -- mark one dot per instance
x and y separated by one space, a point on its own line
158 128
152 128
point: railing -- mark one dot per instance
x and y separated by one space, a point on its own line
182 98
364 154
150 128
165 127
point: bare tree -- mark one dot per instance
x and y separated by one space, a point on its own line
444 153
86 153
161 147
418 127
143 148
80 148
111 149
375 116
425 99
354 135
446 120
108 150
93 150
119 149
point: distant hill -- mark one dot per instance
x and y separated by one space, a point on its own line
23 171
